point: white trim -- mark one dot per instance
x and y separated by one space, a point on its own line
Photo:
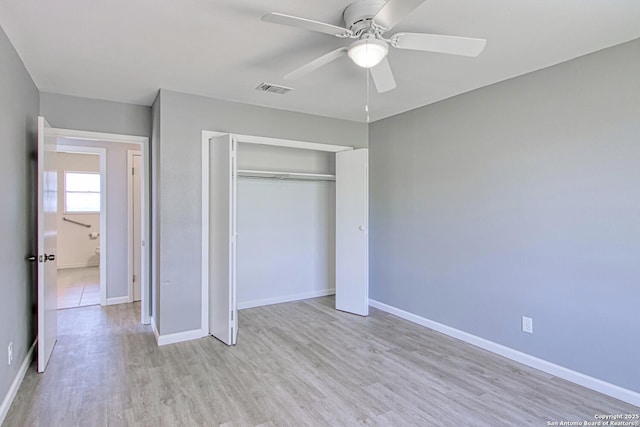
180 337
145 225
177 337
118 300
130 242
263 140
204 321
603 387
129 226
278 142
103 226
97 136
15 385
287 298
79 149
143 141
102 156
156 334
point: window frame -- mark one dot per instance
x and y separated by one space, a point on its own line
65 192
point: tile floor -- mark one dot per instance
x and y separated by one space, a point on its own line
78 287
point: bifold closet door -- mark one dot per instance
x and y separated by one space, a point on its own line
223 314
352 241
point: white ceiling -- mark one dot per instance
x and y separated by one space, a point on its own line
124 50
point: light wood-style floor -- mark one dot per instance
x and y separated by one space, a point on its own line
297 364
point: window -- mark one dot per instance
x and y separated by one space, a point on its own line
81 192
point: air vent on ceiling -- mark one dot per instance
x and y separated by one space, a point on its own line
268 87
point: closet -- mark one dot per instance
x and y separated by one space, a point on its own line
283 220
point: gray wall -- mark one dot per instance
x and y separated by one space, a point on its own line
72 112
520 199
182 119
18 114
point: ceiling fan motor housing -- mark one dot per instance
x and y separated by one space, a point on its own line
357 16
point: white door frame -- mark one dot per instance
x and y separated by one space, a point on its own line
130 219
102 155
143 143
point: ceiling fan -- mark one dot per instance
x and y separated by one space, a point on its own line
367 21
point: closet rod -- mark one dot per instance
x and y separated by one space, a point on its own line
279 178
276 175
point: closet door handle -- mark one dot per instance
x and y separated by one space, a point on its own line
362 228
50 257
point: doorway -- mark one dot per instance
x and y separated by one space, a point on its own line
81 219
116 268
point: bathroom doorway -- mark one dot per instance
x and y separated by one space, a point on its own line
115 242
81 218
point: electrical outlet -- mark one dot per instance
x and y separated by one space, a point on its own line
10 353
527 324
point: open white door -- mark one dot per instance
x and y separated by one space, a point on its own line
352 240
223 313
47 242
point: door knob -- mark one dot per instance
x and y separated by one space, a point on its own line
31 258
50 257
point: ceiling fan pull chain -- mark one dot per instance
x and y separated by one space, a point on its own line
366 105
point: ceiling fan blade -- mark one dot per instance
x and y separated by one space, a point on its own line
383 76
464 46
394 11
307 24
316 63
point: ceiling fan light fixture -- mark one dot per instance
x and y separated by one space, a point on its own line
368 52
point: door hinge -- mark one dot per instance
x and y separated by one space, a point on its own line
134 278
133 171
232 316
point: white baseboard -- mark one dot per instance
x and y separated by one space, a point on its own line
286 298
177 337
603 387
194 334
117 300
15 385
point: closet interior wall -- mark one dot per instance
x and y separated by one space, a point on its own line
286 227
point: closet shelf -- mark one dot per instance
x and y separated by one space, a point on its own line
285 175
